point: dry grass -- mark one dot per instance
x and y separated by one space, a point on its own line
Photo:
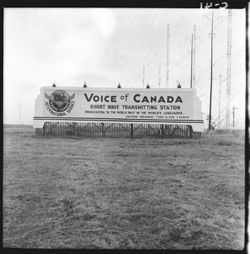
123 193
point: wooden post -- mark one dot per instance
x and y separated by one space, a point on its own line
103 130
74 129
131 130
162 130
191 132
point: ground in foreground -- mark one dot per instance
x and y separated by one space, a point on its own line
123 193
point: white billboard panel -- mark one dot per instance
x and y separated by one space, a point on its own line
169 106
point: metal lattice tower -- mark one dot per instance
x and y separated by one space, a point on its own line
229 53
167 56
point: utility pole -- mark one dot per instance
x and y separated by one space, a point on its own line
159 82
143 76
234 116
194 43
211 75
167 56
229 50
191 78
219 101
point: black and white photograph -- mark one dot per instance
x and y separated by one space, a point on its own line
124 128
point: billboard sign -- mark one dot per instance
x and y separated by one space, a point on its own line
169 106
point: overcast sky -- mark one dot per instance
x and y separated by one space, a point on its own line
106 46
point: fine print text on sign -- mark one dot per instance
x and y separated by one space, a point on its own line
135 105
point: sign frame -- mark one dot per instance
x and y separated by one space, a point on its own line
47 108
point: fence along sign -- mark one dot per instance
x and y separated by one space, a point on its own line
168 106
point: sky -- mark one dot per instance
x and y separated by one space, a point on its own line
107 46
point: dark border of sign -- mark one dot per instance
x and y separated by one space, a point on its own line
232 4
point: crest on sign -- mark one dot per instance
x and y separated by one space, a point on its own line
59 102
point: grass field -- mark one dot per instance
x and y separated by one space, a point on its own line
123 193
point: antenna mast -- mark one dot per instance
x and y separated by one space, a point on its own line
194 42
219 101
143 76
229 50
167 56
211 75
191 79
20 110
159 82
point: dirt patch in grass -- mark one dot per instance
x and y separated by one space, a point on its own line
123 193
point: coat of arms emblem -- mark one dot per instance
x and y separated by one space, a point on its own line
60 101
